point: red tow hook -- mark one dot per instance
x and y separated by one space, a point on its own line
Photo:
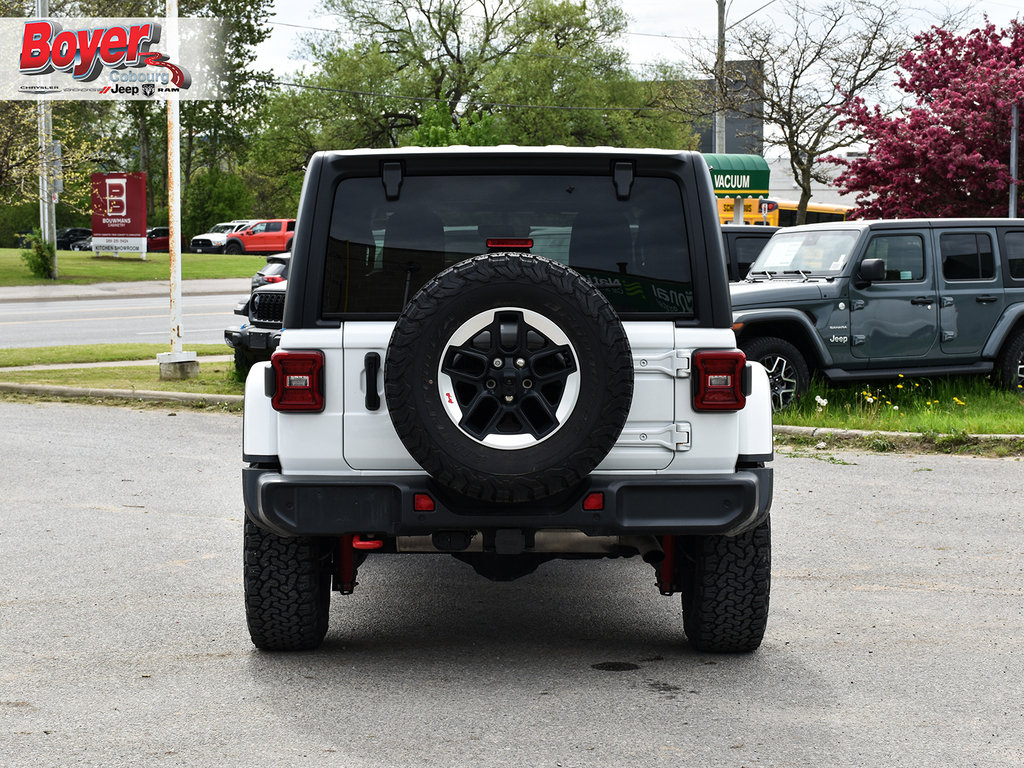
667 568
358 543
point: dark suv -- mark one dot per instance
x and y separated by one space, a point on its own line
505 356
876 299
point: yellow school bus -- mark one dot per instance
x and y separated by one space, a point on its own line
779 213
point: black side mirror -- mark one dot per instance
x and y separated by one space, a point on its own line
871 270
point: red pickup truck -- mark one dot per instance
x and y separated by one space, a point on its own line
266 236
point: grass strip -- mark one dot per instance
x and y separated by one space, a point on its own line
83 267
97 353
213 379
947 405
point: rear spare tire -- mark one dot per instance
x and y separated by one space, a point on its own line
508 377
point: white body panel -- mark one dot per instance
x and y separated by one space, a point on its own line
662 434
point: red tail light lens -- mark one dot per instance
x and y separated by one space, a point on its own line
509 243
298 381
718 381
273 279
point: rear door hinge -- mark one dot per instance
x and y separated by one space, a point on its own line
674 363
674 437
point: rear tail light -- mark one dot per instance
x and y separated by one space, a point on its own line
273 279
298 381
718 381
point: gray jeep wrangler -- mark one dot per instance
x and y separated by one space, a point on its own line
866 300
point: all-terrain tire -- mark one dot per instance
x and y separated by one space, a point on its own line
287 589
788 374
233 247
1010 365
246 359
725 582
508 377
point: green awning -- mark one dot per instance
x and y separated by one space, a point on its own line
738 175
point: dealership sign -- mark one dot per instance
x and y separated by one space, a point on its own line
100 59
119 213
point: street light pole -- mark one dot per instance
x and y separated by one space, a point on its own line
720 82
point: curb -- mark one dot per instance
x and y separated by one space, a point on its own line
781 429
147 395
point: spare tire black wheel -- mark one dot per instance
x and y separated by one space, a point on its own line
508 377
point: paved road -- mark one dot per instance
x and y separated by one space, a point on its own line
115 321
896 635
114 313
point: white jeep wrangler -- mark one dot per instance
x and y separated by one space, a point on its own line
508 355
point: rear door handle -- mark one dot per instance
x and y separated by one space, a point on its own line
986 299
372 364
922 300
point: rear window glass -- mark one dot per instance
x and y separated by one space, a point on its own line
1015 254
967 256
381 252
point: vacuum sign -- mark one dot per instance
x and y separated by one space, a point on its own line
119 212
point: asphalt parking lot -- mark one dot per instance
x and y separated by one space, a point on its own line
896 635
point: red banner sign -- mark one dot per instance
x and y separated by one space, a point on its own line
119 212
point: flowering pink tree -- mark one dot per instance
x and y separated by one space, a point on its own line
949 154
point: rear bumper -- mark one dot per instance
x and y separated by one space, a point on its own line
292 505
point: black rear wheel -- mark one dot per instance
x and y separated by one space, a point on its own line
287 589
725 583
788 374
1010 366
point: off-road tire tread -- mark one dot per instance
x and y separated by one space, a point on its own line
1010 359
725 587
489 269
287 590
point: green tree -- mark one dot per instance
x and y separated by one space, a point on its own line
548 71
215 196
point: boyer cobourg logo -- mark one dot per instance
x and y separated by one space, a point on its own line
85 54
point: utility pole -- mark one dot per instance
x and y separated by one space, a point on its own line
1014 140
720 82
175 364
44 119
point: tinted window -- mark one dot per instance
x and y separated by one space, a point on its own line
903 256
967 256
1015 254
273 226
747 250
381 252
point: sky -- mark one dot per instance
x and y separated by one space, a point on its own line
659 28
